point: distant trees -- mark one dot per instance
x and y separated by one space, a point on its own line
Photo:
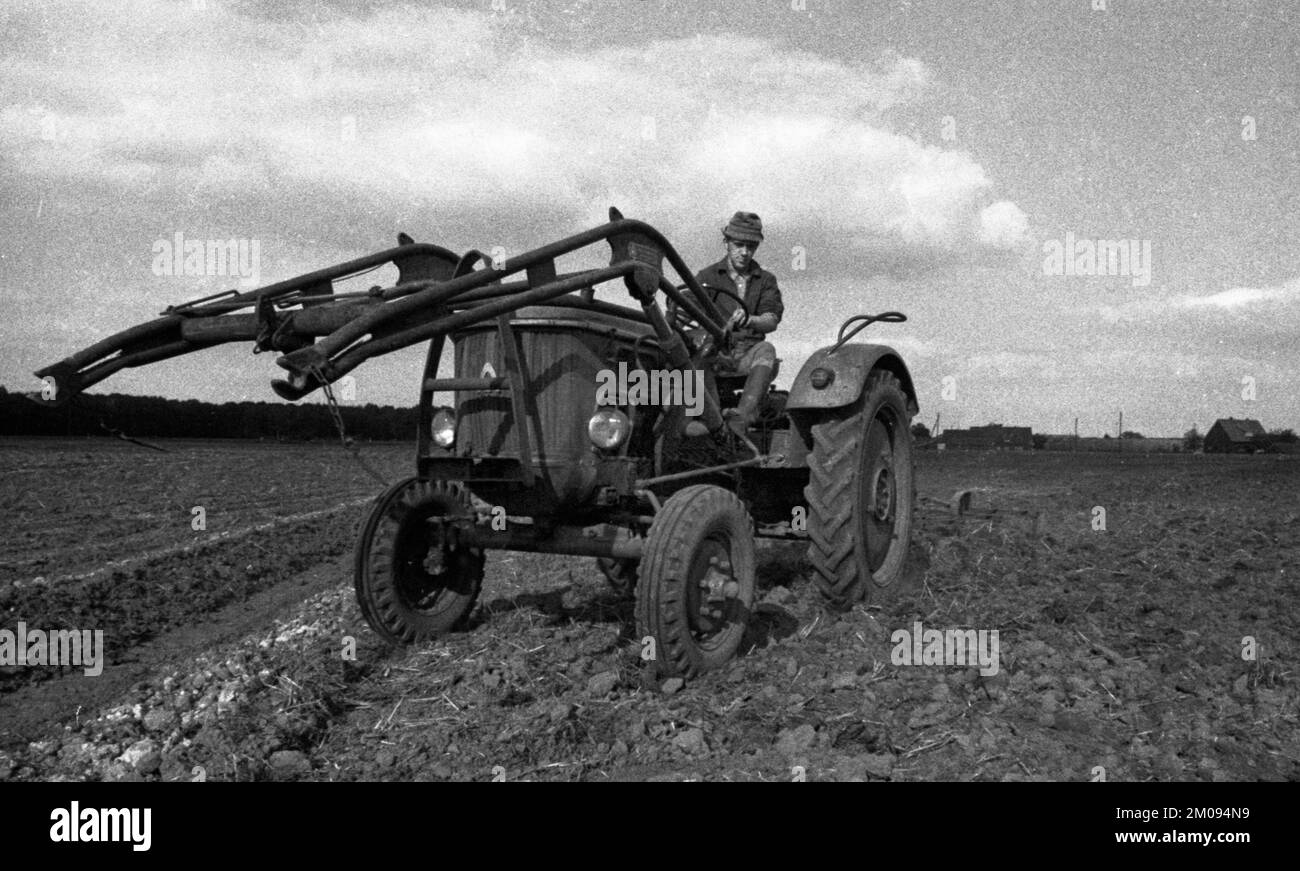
1130 434
920 431
151 416
1040 441
1193 440
1283 436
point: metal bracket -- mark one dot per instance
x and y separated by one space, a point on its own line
267 325
518 394
641 249
184 307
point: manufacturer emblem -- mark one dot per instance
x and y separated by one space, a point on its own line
488 371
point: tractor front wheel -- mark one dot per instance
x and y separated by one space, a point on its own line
697 580
414 580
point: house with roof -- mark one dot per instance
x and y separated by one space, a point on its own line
1230 435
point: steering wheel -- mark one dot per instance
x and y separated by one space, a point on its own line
682 319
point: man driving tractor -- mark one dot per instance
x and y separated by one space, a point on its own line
739 272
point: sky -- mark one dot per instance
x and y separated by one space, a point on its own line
955 161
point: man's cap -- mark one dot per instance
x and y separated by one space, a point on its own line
744 227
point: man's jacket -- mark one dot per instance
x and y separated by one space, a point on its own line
762 296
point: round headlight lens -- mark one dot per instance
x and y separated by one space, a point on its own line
821 378
608 428
444 428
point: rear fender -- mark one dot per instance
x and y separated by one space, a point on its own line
850 366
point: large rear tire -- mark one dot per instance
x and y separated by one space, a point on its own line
697 580
414 582
861 493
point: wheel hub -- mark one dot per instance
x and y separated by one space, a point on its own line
440 543
717 588
882 494
431 560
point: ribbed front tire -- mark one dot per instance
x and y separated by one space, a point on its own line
414 582
697 580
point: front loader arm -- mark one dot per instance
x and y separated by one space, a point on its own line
324 335
215 320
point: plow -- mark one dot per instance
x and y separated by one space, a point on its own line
530 454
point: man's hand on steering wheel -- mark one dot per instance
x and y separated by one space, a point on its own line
739 318
696 334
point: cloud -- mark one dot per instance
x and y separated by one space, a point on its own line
1004 225
460 113
1244 297
1255 301
1007 365
321 136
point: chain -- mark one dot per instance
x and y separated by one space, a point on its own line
349 444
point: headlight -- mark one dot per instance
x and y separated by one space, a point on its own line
821 378
444 428
608 428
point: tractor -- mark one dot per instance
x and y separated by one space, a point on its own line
530 455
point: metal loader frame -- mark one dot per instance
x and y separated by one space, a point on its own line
437 293
324 335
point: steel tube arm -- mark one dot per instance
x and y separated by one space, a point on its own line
282 289
301 361
434 302
300 383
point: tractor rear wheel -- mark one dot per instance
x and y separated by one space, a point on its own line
861 492
697 580
414 581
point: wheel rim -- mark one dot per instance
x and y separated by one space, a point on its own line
712 592
879 509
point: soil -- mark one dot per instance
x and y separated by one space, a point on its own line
1162 647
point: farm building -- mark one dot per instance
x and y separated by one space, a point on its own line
1153 445
1229 435
993 436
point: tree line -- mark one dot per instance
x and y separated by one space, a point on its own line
1192 440
151 416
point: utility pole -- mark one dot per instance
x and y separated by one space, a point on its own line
934 433
1075 447
1121 431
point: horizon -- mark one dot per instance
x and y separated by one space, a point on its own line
357 404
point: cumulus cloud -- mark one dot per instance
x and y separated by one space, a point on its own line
1004 225
319 133
455 109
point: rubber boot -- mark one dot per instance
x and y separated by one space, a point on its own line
695 428
746 411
